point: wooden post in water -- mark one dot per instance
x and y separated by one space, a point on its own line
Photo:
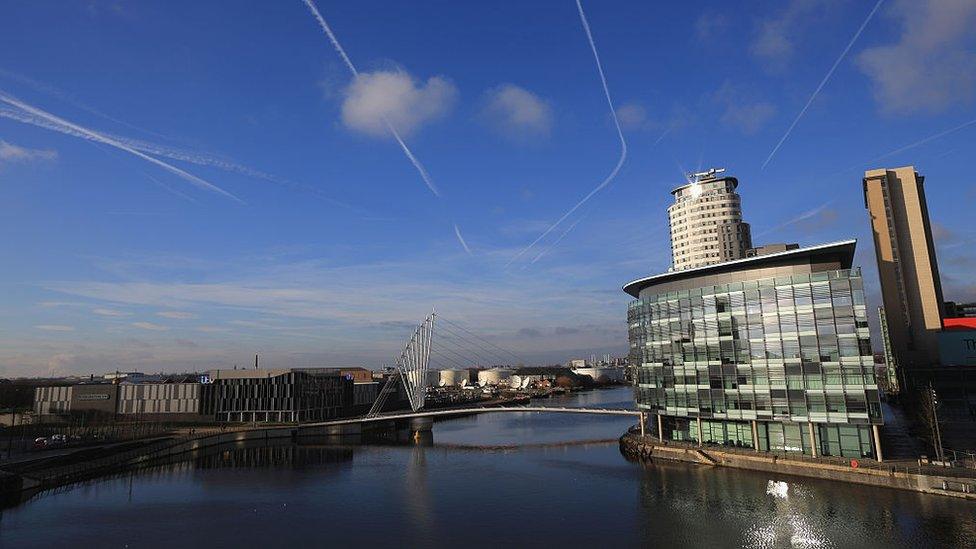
642 419
660 428
755 436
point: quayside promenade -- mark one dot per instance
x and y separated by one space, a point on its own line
900 474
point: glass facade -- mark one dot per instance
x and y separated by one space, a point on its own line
784 362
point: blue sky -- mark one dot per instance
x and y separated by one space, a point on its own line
184 184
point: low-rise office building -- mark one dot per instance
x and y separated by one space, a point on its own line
770 352
162 401
280 395
91 398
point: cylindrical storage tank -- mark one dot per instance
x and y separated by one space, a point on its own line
449 378
493 376
433 378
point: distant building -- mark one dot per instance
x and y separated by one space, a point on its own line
770 352
267 395
97 398
907 266
706 222
960 310
280 395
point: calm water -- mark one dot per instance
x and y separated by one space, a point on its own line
476 487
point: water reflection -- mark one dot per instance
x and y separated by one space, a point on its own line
483 481
704 506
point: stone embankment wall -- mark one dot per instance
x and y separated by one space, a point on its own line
647 448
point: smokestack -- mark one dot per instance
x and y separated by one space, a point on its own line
255 362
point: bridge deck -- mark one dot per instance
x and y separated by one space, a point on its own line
468 411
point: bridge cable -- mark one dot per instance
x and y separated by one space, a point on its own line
455 324
493 355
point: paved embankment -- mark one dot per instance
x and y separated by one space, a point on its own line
930 480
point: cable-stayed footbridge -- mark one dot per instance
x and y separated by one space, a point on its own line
441 343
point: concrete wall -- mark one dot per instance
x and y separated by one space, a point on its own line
647 448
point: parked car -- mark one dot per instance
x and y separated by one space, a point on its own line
40 442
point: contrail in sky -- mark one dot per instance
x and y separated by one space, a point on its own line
921 142
352 68
460 238
68 98
558 240
823 82
620 134
176 154
802 217
396 134
55 123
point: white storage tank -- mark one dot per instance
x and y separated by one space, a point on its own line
453 378
493 376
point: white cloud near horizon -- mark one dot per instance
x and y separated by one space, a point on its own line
176 315
150 326
376 100
517 112
101 311
932 63
55 327
11 153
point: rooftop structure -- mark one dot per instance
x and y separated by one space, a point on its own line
705 221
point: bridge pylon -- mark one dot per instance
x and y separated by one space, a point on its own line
411 369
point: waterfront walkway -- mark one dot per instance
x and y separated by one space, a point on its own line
899 474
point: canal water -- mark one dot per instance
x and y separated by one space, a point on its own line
494 480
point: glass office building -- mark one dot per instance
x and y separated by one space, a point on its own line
769 352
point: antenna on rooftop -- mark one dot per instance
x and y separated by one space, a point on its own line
701 176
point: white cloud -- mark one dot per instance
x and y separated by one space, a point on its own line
374 99
932 65
774 39
178 315
632 116
150 326
710 25
10 153
517 112
55 328
110 312
742 110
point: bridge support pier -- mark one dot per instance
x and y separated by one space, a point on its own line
643 420
421 424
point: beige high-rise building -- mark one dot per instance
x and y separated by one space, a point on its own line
706 222
907 267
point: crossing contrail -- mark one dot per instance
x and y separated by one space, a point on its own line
178 154
52 122
921 142
620 134
823 82
558 240
355 73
